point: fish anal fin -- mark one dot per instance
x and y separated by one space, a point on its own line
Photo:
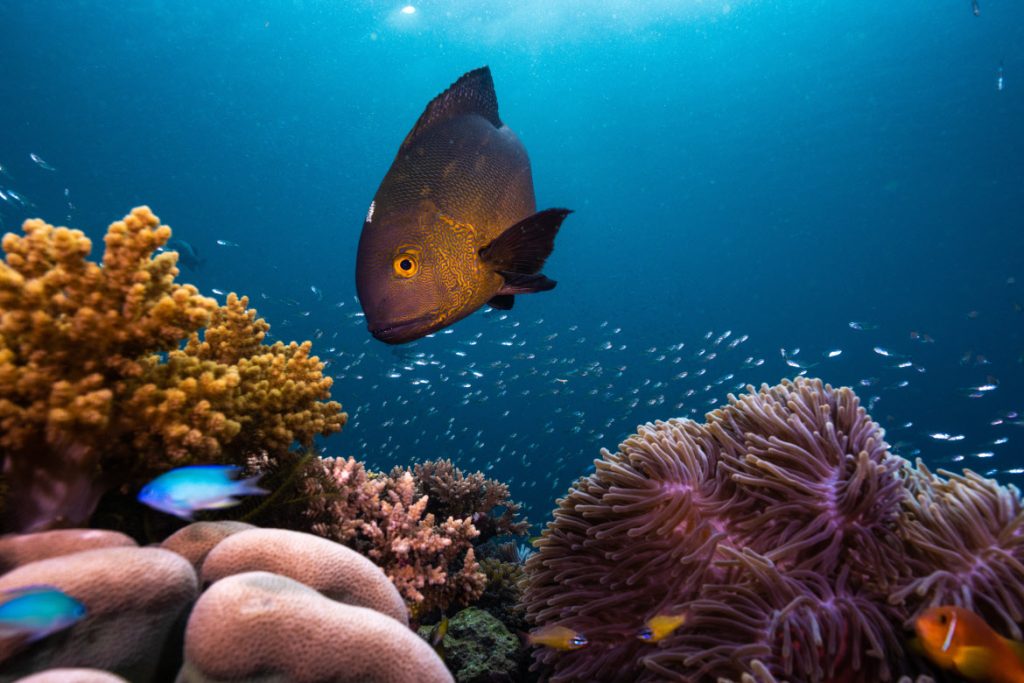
502 302
1016 647
524 247
221 504
473 93
974 662
524 283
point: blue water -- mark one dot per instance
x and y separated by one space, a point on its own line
771 169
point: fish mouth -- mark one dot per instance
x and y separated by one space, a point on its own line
400 332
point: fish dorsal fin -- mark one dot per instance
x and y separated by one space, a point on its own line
473 93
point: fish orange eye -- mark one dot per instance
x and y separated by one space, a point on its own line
406 264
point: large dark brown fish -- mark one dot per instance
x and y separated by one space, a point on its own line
453 225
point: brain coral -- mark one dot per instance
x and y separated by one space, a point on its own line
794 542
96 390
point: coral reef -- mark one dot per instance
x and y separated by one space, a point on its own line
451 493
72 676
135 599
796 544
97 389
503 594
337 572
431 562
16 550
234 633
142 615
478 648
195 541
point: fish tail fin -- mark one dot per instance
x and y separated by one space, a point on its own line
519 252
249 486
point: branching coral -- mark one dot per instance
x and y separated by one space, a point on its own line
774 527
95 389
454 494
431 561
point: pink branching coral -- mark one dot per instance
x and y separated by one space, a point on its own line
454 494
431 561
779 527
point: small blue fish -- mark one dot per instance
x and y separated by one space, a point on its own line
184 490
37 611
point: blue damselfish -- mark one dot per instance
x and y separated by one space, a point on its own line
37 611
184 490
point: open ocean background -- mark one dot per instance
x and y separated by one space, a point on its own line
748 178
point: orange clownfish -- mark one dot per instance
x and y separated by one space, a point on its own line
660 626
958 639
557 638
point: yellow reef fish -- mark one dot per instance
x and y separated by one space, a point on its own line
454 224
558 638
660 626
958 639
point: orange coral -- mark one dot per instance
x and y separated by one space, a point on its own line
95 390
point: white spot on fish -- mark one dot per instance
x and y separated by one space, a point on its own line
373 205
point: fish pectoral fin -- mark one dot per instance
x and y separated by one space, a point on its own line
523 283
502 302
524 247
473 93
974 662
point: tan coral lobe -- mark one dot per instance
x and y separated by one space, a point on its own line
235 633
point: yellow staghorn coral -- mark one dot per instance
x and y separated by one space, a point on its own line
96 389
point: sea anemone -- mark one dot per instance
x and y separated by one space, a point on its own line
964 537
773 527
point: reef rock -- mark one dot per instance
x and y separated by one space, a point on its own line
235 633
479 649
135 598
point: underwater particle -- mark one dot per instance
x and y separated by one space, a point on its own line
834 353
227 243
495 241
184 490
408 9
35 612
862 326
41 163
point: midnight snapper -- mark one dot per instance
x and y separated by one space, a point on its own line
454 224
